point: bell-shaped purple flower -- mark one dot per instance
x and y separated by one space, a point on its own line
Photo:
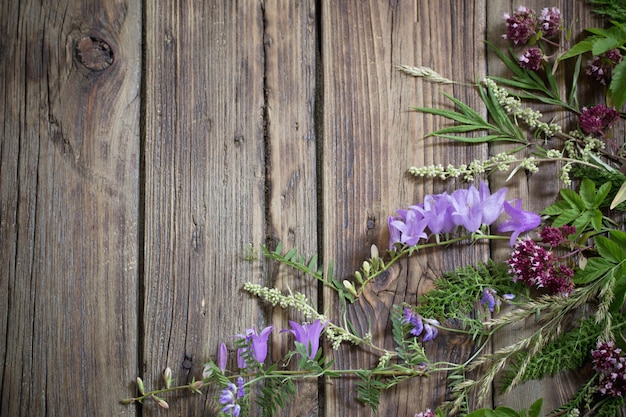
491 204
437 211
308 335
467 209
407 228
258 342
521 221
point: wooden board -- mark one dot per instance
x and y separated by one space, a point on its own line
69 170
370 140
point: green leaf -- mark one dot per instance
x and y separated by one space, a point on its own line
603 191
618 237
609 250
568 216
596 219
617 88
588 193
535 408
573 198
578 49
595 268
556 208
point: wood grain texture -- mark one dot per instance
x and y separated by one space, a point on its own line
370 139
69 171
205 185
290 40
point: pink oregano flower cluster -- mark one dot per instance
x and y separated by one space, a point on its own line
610 362
468 209
539 267
525 25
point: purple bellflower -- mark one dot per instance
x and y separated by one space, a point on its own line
407 228
467 209
308 335
521 221
437 212
258 343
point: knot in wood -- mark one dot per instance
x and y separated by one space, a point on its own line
95 54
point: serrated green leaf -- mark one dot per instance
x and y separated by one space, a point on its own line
578 49
556 208
595 268
596 220
609 249
603 45
588 193
573 198
617 88
618 237
601 194
568 216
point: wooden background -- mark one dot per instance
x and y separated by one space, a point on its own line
147 147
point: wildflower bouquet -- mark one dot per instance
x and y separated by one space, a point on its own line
565 273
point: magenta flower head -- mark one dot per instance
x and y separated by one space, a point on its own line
521 221
258 343
601 67
222 356
597 119
532 59
550 22
308 335
521 26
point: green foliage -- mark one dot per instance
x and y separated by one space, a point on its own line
601 41
275 393
309 267
469 120
533 411
614 9
457 292
569 352
582 209
602 176
408 348
532 86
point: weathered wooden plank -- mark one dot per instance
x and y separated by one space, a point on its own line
370 139
290 71
205 185
69 168
536 191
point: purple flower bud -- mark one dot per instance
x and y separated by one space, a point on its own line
222 356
